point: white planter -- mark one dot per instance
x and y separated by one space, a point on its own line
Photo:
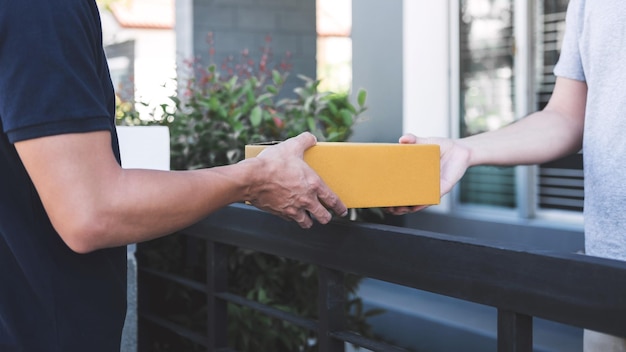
144 147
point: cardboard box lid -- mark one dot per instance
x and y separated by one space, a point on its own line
366 175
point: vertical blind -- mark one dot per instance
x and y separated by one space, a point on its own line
561 181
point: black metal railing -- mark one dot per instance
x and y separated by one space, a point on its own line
521 283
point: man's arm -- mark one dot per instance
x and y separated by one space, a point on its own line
546 135
93 203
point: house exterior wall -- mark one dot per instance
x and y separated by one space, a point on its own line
246 24
377 68
427 62
154 66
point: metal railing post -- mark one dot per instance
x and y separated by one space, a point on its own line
515 332
217 281
332 309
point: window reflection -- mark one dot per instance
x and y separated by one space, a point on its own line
487 89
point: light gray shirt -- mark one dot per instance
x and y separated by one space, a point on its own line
594 50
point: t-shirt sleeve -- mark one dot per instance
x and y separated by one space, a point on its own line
570 64
53 77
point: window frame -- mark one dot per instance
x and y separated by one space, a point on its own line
526 177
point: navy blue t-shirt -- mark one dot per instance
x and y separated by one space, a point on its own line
53 80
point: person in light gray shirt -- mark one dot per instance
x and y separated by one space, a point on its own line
587 110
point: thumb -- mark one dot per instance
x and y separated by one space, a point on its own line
423 140
408 139
412 139
304 141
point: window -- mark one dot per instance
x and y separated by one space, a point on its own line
334 45
560 183
506 49
121 59
487 92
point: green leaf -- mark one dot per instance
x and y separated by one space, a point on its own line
222 113
272 89
306 79
301 92
311 123
346 116
262 296
214 103
250 99
307 102
332 107
266 116
277 78
238 126
333 136
362 95
264 98
206 104
256 116
236 114
233 81
326 120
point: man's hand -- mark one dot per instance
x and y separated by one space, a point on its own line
455 157
286 186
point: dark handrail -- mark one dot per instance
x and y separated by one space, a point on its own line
522 283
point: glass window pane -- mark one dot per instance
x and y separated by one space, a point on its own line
561 181
486 96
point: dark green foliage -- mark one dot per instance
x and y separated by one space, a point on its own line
219 115
218 112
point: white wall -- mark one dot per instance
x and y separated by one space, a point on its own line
427 65
155 60
155 66
144 147
426 68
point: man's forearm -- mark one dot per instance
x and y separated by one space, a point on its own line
554 132
93 203
146 204
538 138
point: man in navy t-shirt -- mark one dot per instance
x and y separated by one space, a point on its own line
67 208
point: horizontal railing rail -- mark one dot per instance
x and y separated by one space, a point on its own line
522 283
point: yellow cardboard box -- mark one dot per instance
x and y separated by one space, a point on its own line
368 175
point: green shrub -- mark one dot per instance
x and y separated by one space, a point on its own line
218 112
220 115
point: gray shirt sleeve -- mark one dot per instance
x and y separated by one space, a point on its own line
570 63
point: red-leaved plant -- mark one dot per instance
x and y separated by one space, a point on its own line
220 109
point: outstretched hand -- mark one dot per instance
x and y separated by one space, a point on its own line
454 161
289 188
